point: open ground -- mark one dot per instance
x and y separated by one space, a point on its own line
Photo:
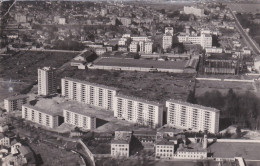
151 86
22 67
230 149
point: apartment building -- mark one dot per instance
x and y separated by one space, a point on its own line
139 38
46 81
15 102
89 93
133 47
193 10
197 117
4 141
167 42
148 47
79 118
205 40
190 153
43 117
164 149
138 110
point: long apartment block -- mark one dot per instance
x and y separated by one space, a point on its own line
138 110
89 93
124 107
40 116
192 116
79 118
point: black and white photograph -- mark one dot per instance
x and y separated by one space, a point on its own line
129 82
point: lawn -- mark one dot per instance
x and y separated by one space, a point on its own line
223 87
246 150
151 86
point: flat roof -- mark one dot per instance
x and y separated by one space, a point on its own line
78 110
46 111
165 142
90 83
139 99
17 97
142 63
193 105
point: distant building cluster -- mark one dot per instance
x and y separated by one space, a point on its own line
168 144
205 40
194 10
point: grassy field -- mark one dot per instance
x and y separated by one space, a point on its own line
246 150
23 66
223 87
151 86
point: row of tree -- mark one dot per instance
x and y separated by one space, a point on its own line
242 109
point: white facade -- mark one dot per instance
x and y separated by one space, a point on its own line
89 93
100 51
191 154
133 47
139 38
198 118
46 81
213 50
15 102
148 47
204 40
167 41
120 148
193 10
138 111
5 141
39 116
79 119
164 150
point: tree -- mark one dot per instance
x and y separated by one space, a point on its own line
231 104
191 97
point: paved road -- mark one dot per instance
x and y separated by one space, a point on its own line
247 38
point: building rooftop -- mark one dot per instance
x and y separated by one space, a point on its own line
89 83
17 97
47 68
140 63
78 110
193 105
197 147
46 111
165 142
139 100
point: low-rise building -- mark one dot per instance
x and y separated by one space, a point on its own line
5 141
79 118
164 149
100 51
15 102
120 146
